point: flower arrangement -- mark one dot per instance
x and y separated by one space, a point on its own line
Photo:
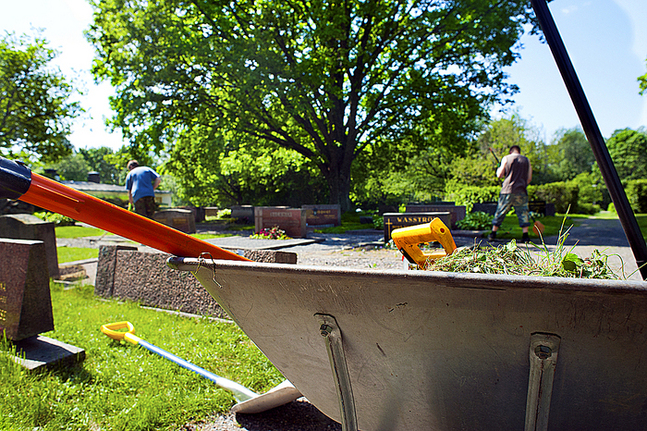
270 233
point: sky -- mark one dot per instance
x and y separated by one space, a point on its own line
605 39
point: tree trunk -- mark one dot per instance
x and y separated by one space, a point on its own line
339 186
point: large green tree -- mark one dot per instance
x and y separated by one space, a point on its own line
324 78
570 154
628 150
35 100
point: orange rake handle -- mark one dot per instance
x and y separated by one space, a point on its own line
56 197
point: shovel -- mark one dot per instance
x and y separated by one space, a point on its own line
248 400
537 227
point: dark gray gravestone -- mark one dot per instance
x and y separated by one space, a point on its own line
27 226
25 301
327 215
397 220
457 211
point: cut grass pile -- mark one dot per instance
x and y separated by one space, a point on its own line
124 387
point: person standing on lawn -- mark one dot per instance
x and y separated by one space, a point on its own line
517 173
141 183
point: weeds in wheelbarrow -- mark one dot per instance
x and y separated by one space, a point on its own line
529 259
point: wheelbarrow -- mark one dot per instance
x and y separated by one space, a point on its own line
403 350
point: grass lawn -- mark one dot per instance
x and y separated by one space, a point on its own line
72 254
124 387
510 227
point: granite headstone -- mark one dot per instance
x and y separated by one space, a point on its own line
30 227
25 301
397 220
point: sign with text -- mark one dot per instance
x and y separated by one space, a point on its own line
25 301
397 220
291 220
317 215
457 211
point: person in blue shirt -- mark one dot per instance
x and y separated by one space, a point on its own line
141 183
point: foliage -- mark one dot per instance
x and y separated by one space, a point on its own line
270 233
212 167
35 106
120 386
510 259
324 79
570 155
628 150
637 195
469 195
563 194
476 220
57 219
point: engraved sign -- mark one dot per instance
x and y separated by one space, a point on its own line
397 220
291 220
25 301
317 215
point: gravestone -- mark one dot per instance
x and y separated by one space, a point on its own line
323 215
177 218
211 211
397 220
25 301
457 211
486 207
244 213
30 227
291 220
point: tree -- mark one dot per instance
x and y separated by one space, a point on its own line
628 150
642 82
571 154
35 106
323 78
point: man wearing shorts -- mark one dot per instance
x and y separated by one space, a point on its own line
141 183
517 173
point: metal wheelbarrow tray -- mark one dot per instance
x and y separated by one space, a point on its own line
446 351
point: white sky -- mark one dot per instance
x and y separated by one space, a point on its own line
606 40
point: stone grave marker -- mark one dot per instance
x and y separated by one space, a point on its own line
291 220
323 215
177 218
25 301
26 307
30 227
397 220
457 211
244 213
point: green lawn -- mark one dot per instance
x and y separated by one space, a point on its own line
72 254
124 387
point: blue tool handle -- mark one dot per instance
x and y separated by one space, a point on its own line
241 393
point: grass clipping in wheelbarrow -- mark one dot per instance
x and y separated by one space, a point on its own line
515 259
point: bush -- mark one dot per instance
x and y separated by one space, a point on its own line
470 195
637 195
563 194
57 219
477 220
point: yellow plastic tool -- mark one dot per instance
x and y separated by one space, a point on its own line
408 240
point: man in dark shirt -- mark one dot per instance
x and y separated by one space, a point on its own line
517 171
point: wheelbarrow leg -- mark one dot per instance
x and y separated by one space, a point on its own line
334 345
543 358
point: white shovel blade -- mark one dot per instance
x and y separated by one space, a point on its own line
277 396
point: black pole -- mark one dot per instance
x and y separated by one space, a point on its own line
592 131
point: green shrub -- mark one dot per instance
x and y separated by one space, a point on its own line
563 194
470 195
57 219
637 195
477 220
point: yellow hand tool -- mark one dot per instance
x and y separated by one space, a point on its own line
408 240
